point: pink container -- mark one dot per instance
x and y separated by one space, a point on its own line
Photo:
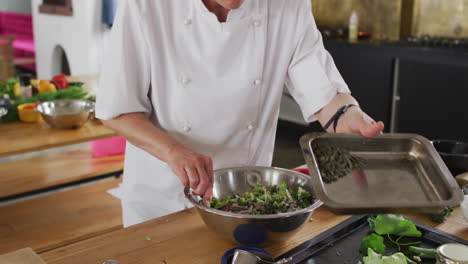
21 27
108 147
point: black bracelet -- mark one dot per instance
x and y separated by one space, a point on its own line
334 119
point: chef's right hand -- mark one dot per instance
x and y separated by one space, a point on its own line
194 170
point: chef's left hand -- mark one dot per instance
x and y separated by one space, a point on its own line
358 122
354 120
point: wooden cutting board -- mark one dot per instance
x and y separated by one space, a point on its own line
22 256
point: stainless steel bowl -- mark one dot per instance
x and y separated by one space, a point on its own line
253 230
66 114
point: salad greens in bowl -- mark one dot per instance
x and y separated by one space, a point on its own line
257 206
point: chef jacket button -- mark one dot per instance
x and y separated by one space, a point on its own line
185 80
187 21
186 128
258 82
250 127
257 23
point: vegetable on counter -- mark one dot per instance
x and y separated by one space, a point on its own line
60 81
440 217
69 93
44 86
14 86
391 224
27 113
263 200
374 242
423 252
376 258
11 88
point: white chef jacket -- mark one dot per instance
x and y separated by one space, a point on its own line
215 87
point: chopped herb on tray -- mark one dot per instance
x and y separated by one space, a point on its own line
335 162
440 217
263 200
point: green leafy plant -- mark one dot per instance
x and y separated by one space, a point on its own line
374 242
391 224
265 200
376 258
440 217
6 88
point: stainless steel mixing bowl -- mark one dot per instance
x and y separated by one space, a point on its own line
253 230
66 114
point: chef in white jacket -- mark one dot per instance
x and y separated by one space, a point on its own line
195 85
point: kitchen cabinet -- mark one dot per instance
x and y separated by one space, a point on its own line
367 70
411 89
433 97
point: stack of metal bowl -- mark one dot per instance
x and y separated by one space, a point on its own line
66 114
254 230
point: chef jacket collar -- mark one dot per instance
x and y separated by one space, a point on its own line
233 15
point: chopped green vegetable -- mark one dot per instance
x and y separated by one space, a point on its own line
265 200
148 238
391 224
423 252
3 88
373 241
335 162
7 89
10 86
440 217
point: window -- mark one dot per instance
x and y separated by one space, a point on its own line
57 7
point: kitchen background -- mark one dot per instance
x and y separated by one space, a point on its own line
405 60
20 6
408 67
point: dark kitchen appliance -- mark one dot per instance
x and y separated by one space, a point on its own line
435 42
454 154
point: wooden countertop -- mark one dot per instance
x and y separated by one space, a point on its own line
183 238
18 138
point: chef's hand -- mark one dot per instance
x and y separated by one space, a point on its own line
356 121
194 170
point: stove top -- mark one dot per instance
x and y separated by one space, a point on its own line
435 42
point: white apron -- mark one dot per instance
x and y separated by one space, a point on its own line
213 86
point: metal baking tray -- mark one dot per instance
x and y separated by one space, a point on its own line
404 174
340 244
